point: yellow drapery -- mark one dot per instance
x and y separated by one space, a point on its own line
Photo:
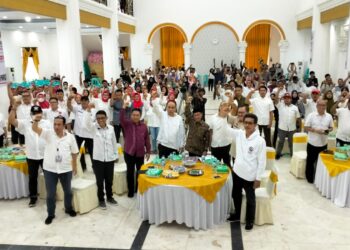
171 47
26 53
126 53
258 40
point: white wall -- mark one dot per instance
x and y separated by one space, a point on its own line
213 41
156 54
245 13
13 41
91 43
274 49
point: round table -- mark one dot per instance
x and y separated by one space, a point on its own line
13 180
332 179
198 201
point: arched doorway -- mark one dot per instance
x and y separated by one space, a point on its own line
214 42
262 38
167 40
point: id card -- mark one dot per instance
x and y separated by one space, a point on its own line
58 159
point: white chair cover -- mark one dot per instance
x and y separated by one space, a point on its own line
270 164
119 181
298 161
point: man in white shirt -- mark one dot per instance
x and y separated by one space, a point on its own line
280 89
263 108
23 112
310 104
295 84
105 153
289 116
343 132
220 142
248 168
80 131
34 147
60 163
318 124
54 111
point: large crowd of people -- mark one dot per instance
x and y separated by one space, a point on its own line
162 112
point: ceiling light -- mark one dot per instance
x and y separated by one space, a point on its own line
45 27
28 19
4 17
38 17
87 26
21 27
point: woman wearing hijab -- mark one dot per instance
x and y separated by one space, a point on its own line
328 96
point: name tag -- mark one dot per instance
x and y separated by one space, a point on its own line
58 159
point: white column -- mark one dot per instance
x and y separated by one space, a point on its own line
242 46
70 52
187 51
320 44
283 44
149 54
110 45
348 53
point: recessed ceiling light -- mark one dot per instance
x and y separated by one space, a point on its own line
21 27
38 17
28 19
45 27
87 26
4 17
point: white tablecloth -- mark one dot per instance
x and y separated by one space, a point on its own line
13 183
175 203
335 188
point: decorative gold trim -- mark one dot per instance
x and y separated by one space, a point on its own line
305 23
159 26
215 22
127 28
93 19
40 7
273 23
338 12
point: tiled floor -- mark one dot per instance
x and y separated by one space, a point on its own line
303 220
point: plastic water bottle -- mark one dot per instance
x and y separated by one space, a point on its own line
163 162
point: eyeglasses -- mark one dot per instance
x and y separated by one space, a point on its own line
248 123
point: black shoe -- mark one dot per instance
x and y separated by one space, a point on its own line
278 157
249 226
130 195
234 218
32 202
71 213
112 201
49 220
102 205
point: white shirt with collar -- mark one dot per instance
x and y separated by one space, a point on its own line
262 108
310 106
35 145
317 121
250 160
79 128
288 115
105 143
219 127
343 132
50 114
64 147
23 113
281 93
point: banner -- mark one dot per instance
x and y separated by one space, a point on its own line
2 64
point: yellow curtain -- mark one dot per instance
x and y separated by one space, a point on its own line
25 56
26 53
171 47
126 53
258 40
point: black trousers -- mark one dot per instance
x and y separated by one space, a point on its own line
1 141
33 169
132 162
311 161
267 134
222 153
117 131
14 135
215 90
192 154
104 172
275 133
210 84
89 145
342 143
165 151
248 186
